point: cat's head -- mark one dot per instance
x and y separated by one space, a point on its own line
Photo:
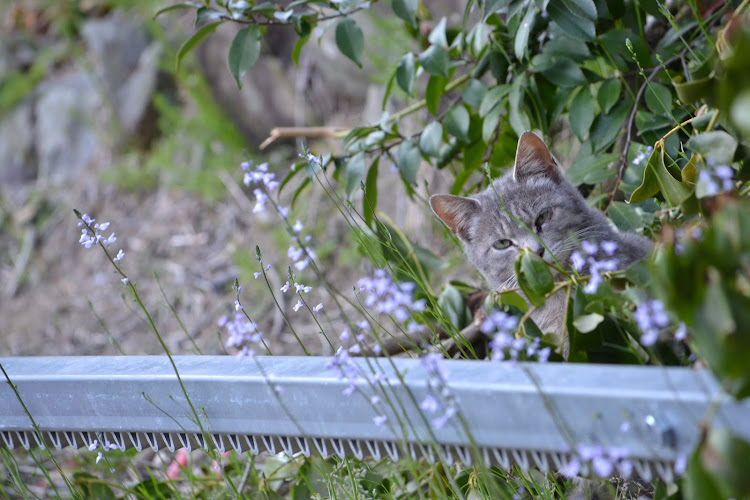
532 206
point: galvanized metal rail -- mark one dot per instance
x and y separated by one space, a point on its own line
533 415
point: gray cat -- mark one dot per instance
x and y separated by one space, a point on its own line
535 195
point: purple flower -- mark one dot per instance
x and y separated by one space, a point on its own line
285 288
318 308
243 333
379 420
297 306
297 227
429 404
651 317
390 298
120 255
596 267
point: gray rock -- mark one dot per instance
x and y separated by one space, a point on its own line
65 131
17 165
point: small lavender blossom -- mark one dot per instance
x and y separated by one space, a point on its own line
318 308
429 404
257 274
651 317
243 333
125 281
380 420
298 305
347 369
285 288
345 335
298 227
390 298
714 179
374 400
596 267
120 255
642 155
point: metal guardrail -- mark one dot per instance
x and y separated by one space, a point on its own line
533 415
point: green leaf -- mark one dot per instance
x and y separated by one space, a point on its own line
585 9
350 40
431 139
406 10
581 113
457 123
184 5
534 277
658 98
244 52
433 93
512 298
492 98
409 160
626 217
607 127
435 61
588 322
522 35
405 73
580 28
152 488
452 304
91 487
519 120
437 35
355 172
717 145
697 90
193 42
590 169
656 178
608 94
370 199
727 458
565 72
740 113
298 46
697 483
474 93
491 6
489 125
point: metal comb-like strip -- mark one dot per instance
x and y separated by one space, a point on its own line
530 415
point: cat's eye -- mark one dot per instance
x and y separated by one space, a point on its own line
541 219
502 244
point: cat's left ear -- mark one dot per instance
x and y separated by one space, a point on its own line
533 159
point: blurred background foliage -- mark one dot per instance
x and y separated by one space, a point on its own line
144 119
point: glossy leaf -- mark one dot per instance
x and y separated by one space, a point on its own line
534 277
244 52
435 61
409 160
474 93
658 98
519 120
524 30
431 139
405 73
607 127
452 304
580 28
370 199
608 94
581 113
193 42
350 40
657 179
406 10
457 123
588 322
717 145
355 172
433 93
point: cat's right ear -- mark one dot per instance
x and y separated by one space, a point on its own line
456 212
